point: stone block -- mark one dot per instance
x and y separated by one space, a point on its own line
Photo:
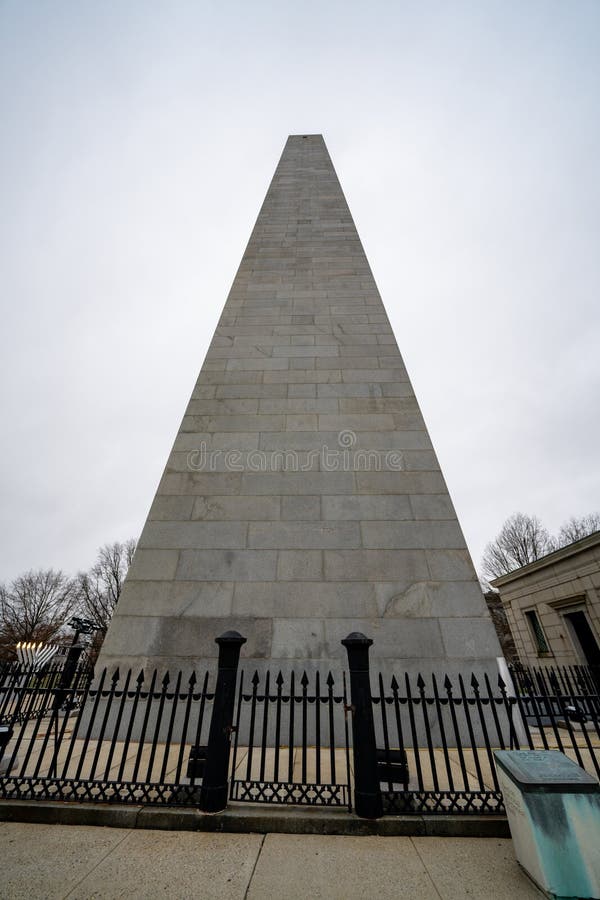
399 482
188 535
227 565
432 506
228 440
233 423
370 374
139 598
425 535
238 508
305 422
450 565
419 639
469 638
420 461
300 565
297 482
305 599
426 599
222 407
375 565
260 364
300 639
303 535
299 376
193 483
194 638
153 565
301 508
362 405
356 423
302 390
171 509
301 405
393 507
251 390
349 390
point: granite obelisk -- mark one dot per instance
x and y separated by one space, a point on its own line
303 499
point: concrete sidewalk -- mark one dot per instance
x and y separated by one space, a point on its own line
59 861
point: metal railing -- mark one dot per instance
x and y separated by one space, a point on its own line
578 687
291 741
401 745
438 742
121 740
29 692
430 749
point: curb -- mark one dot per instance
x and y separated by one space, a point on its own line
245 819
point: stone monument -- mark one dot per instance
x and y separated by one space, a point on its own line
303 499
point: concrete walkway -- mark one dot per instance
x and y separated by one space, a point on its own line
59 861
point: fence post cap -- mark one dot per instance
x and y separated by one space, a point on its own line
357 639
230 637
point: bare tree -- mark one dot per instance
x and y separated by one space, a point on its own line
100 588
522 539
34 607
577 528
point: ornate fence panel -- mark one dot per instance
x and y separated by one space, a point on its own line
435 742
291 741
125 740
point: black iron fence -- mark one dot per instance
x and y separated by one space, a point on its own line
550 690
115 741
29 692
405 745
291 741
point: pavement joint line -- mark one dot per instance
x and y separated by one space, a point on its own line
424 864
262 843
94 867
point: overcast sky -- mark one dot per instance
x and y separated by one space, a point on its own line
137 143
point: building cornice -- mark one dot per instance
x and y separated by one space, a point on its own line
586 543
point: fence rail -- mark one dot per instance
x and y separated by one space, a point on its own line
29 692
438 742
575 679
291 741
409 746
121 740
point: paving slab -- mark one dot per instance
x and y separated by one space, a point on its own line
57 861
40 862
340 868
163 864
478 868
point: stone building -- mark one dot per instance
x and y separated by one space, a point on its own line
553 605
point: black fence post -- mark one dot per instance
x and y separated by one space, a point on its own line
367 793
213 794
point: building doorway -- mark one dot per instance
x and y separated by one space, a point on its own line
584 637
